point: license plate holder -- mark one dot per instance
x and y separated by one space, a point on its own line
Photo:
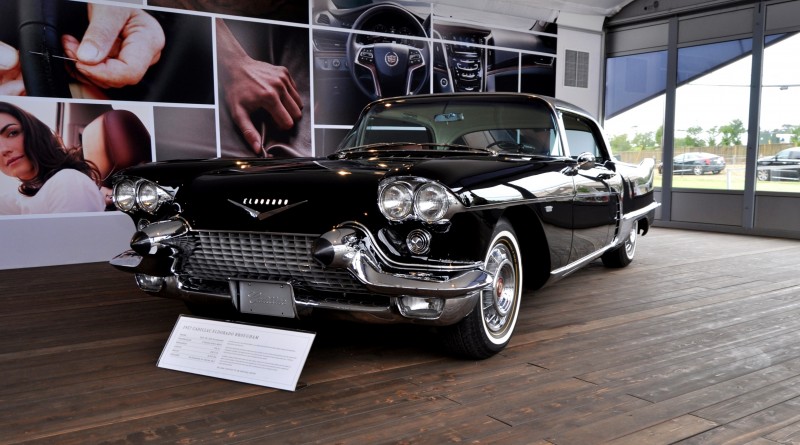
266 298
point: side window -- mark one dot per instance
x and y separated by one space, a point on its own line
583 136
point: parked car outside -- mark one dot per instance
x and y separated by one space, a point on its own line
696 163
434 210
784 166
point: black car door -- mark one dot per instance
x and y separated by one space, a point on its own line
597 188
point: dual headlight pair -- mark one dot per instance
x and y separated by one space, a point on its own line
399 199
130 194
414 198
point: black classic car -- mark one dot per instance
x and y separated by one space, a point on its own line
783 166
434 210
696 163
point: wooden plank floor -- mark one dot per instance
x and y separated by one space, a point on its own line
697 342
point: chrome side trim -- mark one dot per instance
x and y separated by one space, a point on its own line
625 227
577 264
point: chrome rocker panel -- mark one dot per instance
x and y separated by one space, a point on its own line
626 225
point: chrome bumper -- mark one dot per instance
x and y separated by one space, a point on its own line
453 309
457 286
352 248
626 225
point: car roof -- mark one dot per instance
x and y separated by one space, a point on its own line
490 97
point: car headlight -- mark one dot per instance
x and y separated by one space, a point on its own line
431 202
148 196
132 194
396 200
413 198
125 195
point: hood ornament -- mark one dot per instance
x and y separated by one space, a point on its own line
264 215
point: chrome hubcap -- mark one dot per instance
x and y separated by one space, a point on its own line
630 242
499 299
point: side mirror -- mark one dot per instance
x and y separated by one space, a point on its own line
586 161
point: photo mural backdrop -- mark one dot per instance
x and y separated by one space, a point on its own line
124 82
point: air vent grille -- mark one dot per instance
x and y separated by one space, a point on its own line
323 19
576 69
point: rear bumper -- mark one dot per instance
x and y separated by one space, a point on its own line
646 213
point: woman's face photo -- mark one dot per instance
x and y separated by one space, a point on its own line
13 160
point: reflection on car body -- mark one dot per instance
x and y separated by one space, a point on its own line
432 211
784 166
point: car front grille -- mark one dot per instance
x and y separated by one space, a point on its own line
220 256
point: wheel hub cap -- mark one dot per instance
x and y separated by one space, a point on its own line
503 293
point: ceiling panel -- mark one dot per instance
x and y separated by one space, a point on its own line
541 9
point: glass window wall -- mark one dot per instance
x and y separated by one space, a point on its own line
711 114
634 106
778 165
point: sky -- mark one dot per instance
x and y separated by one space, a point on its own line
720 97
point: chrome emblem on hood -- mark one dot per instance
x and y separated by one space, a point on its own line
264 215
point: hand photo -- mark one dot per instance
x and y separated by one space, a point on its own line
68 49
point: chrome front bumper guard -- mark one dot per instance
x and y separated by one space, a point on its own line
350 247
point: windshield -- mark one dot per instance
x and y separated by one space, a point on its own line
512 126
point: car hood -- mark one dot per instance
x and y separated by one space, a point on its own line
296 196
309 195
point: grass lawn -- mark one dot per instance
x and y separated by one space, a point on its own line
732 178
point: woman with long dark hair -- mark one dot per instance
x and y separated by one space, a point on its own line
53 178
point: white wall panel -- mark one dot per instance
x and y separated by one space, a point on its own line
47 240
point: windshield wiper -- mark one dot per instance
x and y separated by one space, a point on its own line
376 145
455 147
418 145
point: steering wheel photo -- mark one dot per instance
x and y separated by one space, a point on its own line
391 62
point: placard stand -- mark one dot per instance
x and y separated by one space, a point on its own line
236 351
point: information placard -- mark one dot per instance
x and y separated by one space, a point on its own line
235 351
